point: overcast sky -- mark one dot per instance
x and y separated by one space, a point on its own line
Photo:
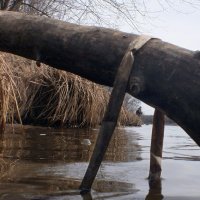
179 25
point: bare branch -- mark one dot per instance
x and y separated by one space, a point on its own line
36 9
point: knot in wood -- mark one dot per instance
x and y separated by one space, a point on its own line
136 85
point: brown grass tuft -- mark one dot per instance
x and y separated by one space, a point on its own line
50 97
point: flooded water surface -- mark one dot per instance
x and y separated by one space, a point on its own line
47 163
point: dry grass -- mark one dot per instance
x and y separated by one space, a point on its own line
8 93
128 118
43 95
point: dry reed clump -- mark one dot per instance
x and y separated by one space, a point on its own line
8 93
64 99
128 118
47 96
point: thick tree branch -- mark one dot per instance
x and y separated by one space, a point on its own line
164 76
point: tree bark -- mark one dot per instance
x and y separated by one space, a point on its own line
164 76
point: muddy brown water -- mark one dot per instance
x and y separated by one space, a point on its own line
47 163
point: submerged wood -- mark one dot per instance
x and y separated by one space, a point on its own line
165 76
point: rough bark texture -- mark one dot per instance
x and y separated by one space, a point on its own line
164 76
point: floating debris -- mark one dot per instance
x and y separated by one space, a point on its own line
86 142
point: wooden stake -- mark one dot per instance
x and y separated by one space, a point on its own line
108 125
155 191
156 146
112 113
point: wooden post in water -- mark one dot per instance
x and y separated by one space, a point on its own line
156 146
109 122
155 191
112 113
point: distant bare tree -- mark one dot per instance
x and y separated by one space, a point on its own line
131 103
96 12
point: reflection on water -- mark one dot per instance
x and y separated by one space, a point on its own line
36 160
155 191
47 163
69 145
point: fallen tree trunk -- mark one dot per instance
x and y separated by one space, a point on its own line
164 76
